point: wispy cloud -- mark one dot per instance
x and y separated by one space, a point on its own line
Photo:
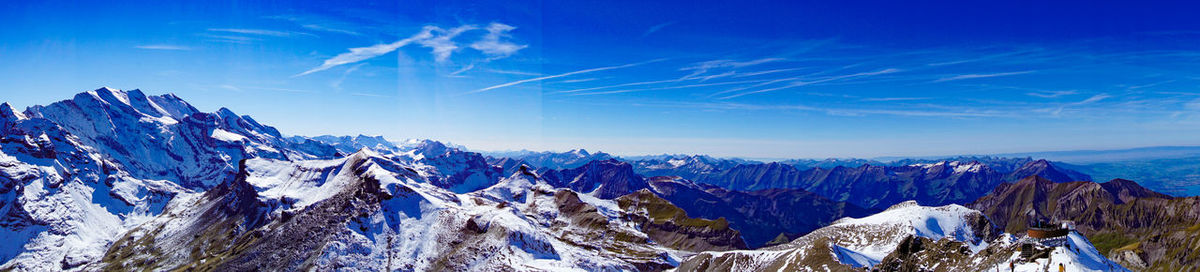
337 84
621 85
584 71
317 27
491 44
441 43
578 80
1090 100
371 95
656 28
514 72
281 90
811 82
974 76
1093 99
317 23
229 38
464 69
439 40
948 113
670 87
766 72
888 99
1051 94
261 32
364 53
163 47
229 87
700 68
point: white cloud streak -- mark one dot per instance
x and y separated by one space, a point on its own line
1051 94
823 80
656 28
584 71
363 53
974 76
163 47
440 41
260 32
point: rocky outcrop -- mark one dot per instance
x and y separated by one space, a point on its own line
607 179
670 226
1130 223
760 215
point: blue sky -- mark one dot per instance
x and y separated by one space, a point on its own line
750 79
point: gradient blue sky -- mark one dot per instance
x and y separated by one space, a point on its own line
749 79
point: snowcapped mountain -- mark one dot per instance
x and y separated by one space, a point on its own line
873 186
550 160
118 180
351 144
905 237
685 166
368 212
78 173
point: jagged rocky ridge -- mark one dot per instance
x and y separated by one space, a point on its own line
78 175
874 186
367 212
761 215
905 237
1140 228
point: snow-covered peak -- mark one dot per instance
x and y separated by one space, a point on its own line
111 95
878 235
955 167
7 111
904 205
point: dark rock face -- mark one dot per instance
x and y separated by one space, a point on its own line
873 186
607 179
670 226
915 254
1120 217
760 215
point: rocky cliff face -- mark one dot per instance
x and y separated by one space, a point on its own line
1144 229
78 173
906 237
670 226
874 186
605 179
369 212
761 215
852 244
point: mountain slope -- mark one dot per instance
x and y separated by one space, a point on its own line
761 215
871 186
1141 228
905 237
369 212
78 173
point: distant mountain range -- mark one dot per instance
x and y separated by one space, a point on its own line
117 181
